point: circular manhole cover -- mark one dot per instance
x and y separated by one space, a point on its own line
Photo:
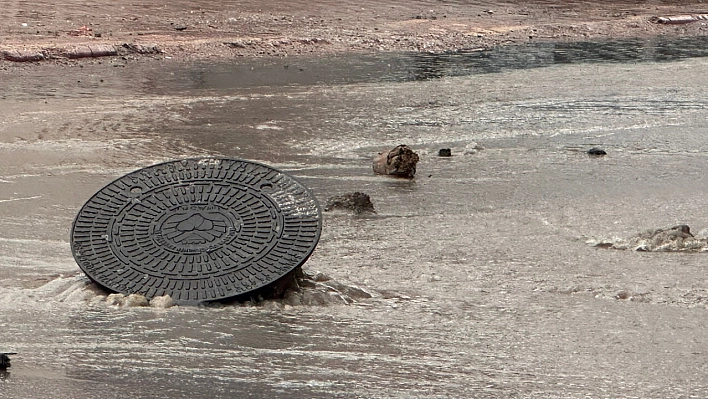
196 229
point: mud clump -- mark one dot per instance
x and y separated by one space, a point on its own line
356 202
672 239
400 162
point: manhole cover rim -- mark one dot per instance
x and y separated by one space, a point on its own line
189 161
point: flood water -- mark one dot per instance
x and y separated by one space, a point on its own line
484 285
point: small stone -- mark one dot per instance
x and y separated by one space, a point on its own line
445 152
5 360
622 295
596 152
180 27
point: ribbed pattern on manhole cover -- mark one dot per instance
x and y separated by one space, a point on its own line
196 229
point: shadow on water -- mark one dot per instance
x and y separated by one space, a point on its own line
415 67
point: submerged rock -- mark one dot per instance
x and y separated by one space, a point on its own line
356 202
671 239
5 359
596 152
400 162
445 152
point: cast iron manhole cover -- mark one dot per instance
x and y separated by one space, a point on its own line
196 229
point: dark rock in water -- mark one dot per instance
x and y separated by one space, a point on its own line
356 202
682 230
399 162
445 152
596 152
5 360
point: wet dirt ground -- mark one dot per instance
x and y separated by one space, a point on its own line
208 29
485 284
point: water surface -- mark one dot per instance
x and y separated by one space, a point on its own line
484 285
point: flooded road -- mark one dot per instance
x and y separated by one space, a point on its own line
484 285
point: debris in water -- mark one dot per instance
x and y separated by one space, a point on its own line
596 152
623 294
445 152
399 162
5 360
356 202
672 239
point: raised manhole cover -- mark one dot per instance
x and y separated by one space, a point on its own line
196 229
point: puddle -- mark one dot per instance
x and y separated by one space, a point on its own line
407 67
355 69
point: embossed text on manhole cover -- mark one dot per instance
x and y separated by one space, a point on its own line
196 229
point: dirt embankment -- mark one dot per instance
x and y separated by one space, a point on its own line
204 29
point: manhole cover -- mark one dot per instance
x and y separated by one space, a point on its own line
196 229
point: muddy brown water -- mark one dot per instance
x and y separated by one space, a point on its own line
489 288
